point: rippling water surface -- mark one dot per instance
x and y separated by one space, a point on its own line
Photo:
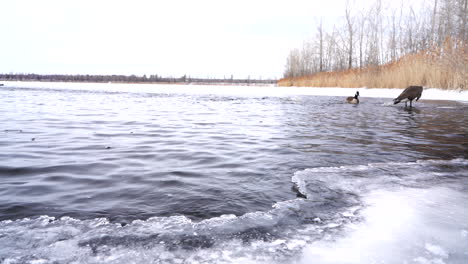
119 176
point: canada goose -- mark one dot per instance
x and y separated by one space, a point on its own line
353 100
408 95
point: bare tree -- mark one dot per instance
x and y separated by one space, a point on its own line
433 19
393 36
320 31
362 23
462 10
377 34
350 28
293 64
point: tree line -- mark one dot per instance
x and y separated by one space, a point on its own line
128 79
379 34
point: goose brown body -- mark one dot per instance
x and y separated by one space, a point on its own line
353 99
409 94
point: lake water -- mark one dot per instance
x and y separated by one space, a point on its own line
104 175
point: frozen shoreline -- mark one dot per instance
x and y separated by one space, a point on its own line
428 94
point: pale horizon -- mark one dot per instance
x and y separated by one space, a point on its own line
202 39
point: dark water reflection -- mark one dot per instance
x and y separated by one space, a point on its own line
130 156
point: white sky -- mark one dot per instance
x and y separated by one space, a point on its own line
200 38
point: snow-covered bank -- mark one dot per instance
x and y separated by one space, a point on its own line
401 227
428 94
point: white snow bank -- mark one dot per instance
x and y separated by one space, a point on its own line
428 93
401 226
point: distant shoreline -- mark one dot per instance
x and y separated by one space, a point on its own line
2 82
131 79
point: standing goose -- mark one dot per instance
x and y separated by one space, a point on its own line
353 100
409 94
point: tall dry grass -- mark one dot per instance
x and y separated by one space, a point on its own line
443 67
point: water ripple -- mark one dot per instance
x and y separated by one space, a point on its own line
135 155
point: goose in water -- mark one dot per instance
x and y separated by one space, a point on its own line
353 100
409 94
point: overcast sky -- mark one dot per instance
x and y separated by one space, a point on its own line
200 38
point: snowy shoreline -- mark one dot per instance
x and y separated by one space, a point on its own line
428 94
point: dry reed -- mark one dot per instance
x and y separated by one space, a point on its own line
443 67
